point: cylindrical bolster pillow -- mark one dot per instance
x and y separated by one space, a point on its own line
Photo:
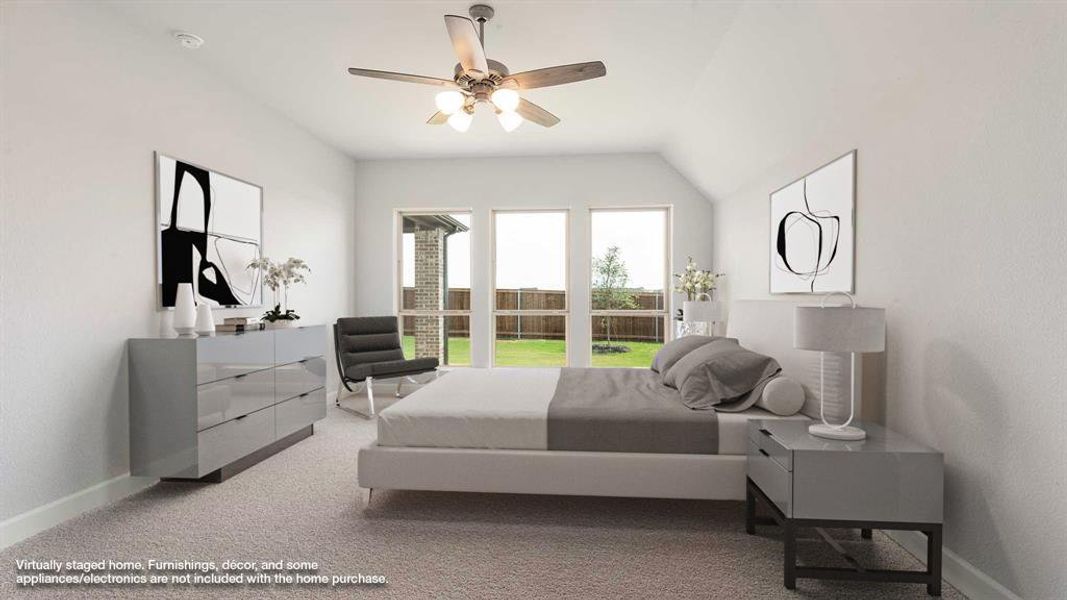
782 396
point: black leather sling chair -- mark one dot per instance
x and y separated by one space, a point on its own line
368 348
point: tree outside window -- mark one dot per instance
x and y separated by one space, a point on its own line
610 292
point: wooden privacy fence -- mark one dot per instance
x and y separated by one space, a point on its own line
550 327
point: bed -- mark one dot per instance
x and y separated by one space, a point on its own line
500 430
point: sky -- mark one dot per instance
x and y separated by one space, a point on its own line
531 248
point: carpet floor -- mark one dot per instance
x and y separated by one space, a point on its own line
303 505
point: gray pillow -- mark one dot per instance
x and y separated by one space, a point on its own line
676 373
674 350
779 395
725 375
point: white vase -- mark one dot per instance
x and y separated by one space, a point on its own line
185 310
205 322
166 323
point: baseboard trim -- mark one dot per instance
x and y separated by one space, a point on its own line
959 573
32 522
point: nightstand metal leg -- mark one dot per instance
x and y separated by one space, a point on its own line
867 534
933 560
789 533
750 510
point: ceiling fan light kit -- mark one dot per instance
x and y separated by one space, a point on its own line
477 79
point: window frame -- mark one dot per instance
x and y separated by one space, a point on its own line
668 269
494 312
398 288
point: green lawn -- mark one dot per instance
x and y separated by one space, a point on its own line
542 353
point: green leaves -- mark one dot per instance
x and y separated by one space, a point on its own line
276 314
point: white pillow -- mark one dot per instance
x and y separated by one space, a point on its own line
782 396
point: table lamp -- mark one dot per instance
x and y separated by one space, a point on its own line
847 328
701 315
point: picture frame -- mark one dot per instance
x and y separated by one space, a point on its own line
812 231
209 226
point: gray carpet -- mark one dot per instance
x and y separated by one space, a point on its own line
303 504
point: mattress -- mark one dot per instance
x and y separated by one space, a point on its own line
504 409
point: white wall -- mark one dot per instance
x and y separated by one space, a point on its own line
86 100
574 182
958 114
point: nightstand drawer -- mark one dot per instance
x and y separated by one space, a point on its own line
771 477
775 449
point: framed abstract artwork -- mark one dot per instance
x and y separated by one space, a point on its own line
210 226
813 231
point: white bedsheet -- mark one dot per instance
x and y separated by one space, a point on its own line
505 409
474 408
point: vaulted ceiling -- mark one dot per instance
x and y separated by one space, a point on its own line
293 56
723 90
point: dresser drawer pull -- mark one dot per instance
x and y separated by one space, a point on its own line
241 376
765 432
764 452
303 395
244 416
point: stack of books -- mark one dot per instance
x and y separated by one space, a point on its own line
239 325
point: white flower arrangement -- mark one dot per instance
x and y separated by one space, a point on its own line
281 275
693 282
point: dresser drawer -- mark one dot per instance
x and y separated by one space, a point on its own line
229 441
774 448
302 376
296 413
230 355
771 477
230 398
299 343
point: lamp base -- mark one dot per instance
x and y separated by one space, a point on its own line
837 433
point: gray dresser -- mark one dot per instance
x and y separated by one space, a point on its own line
886 481
208 407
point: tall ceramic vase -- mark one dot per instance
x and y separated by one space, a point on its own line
185 310
205 321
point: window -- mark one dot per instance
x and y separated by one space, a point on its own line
434 274
530 288
628 290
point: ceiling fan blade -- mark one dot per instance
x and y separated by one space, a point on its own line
535 114
438 118
405 77
559 75
467 44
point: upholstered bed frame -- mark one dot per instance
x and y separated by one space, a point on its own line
762 326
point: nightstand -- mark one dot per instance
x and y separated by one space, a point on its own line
886 481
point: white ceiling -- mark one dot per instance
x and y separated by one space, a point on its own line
292 56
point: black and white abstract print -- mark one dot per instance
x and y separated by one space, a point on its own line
812 234
209 230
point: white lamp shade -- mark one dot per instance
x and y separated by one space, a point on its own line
460 121
509 121
506 99
705 310
839 329
449 102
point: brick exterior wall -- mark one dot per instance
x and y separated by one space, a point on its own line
429 286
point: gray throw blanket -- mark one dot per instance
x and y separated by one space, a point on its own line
626 410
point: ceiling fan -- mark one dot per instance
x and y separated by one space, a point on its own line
478 79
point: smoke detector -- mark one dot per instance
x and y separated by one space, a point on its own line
189 41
